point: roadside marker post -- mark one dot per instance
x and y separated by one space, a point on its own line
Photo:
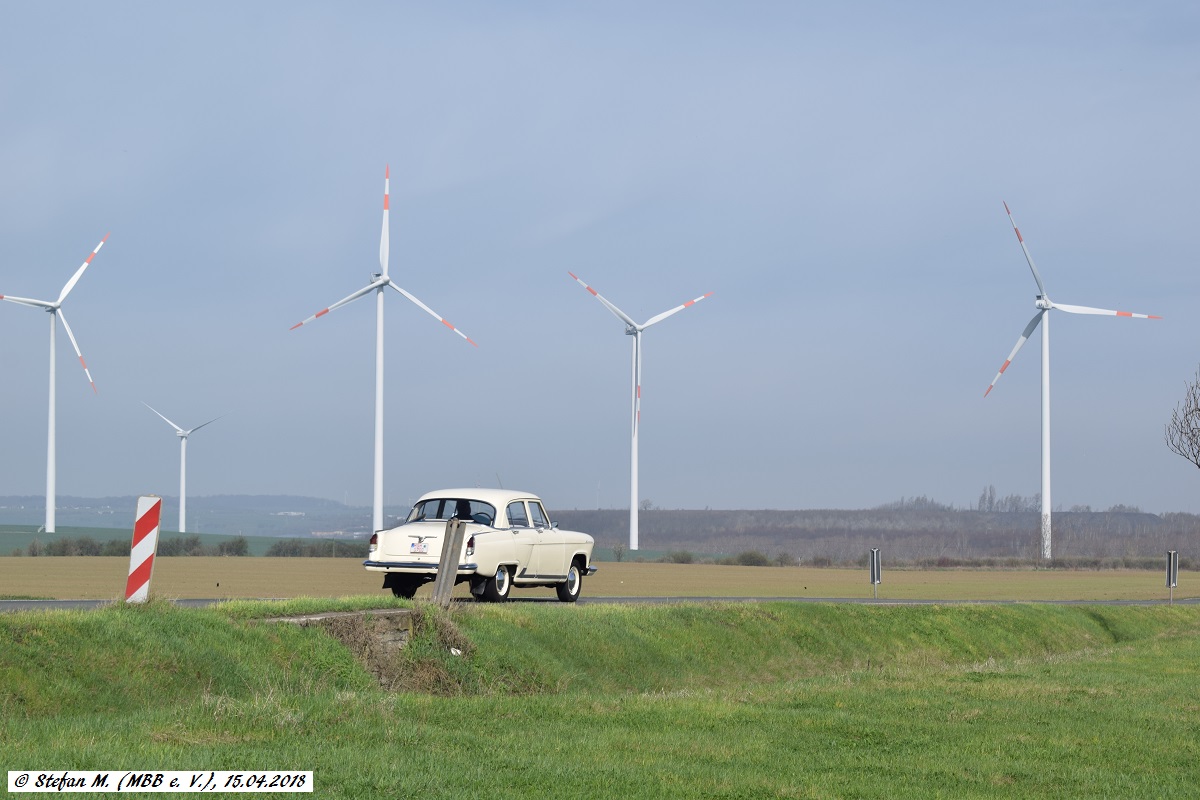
452 544
1172 573
145 545
876 572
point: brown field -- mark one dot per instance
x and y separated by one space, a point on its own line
97 578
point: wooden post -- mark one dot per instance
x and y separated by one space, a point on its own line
452 544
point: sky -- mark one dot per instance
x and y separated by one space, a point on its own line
834 173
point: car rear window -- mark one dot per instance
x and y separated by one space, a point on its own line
444 508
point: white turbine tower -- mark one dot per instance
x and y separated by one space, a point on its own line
1044 306
635 330
183 439
379 282
55 310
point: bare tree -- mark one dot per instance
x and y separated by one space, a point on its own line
1183 431
618 551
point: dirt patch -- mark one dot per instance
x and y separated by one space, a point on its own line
410 650
374 637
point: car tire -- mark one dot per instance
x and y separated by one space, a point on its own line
496 588
405 588
568 590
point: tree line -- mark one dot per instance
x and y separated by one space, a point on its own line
175 546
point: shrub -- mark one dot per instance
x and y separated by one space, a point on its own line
752 558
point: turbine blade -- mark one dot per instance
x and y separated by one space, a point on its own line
1102 311
25 301
75 344
79 272
384 243
342 302
1025 334
1036 276
621 315
432 313
164 419
674 310
210 422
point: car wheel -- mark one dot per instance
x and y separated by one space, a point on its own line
496 587
405 589
568 590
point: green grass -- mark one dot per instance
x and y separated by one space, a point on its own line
720 700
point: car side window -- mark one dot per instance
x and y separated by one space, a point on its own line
516 515
539 515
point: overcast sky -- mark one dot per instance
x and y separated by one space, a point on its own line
833 173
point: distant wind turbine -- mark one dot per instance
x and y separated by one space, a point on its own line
55 310
1044 306
183 440
635 330
379 282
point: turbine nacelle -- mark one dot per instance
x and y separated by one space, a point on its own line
1043 302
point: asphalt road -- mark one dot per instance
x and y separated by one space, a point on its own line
51 605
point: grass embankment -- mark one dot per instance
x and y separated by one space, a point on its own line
726 700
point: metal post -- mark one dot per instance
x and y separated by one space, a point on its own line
452 545
1172 573
876 572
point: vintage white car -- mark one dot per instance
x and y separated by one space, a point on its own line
508 541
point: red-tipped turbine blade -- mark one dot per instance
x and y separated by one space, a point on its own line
342 302
621 315
79 272
1102 312
432 313
1033 268
384 241
75 344
25 301
1033 323
675 310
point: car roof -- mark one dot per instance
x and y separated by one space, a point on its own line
496 497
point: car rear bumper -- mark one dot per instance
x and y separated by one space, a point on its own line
415 567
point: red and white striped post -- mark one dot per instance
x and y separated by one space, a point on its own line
145 545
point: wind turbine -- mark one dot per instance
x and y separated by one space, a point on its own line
379 282
183 437
635 330
1044 306
55 310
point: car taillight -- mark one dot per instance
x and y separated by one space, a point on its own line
374 543
471 546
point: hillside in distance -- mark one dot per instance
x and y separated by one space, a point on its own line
909 530
235 515
904 534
